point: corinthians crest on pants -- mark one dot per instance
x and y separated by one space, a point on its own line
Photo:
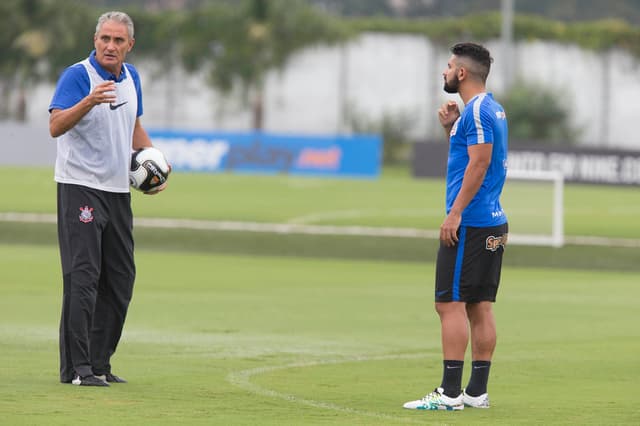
86 214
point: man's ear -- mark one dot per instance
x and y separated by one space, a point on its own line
462 73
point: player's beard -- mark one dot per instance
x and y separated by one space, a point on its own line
452 86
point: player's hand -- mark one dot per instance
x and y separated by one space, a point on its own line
449 229
104 93
448 114
161 187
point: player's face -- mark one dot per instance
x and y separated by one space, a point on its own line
450 74
112 44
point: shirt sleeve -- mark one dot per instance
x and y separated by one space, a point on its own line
136 81
479 129
72 87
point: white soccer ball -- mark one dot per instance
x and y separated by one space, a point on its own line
149 169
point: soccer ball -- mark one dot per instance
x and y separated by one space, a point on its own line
149 169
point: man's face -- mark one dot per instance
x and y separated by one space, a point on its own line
450 74
112 44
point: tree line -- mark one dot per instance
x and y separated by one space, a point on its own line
237 43
566 10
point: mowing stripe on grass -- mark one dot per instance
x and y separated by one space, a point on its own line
209 345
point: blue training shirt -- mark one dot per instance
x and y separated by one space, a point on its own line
74 84
483 120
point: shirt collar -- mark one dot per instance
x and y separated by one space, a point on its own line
106 75
478 95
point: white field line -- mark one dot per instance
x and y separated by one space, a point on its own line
286 228
291 228
309 219
242 379
244 346
214 225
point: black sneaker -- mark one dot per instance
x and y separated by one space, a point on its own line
88 381
111 378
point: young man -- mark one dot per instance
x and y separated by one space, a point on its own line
474 232
94 114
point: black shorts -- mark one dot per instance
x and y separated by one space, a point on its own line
470 271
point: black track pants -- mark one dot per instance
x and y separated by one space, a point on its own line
96 250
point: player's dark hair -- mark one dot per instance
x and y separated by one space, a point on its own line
478 54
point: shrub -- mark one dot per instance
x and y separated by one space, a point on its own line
537 114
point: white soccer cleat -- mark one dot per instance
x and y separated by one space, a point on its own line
481 401
436 400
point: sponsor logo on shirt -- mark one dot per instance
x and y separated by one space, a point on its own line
116 106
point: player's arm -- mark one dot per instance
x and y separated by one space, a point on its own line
141 138
479 161
63 120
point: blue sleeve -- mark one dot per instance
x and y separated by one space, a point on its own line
480 122
72 87
136 82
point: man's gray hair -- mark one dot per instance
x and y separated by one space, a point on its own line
120 17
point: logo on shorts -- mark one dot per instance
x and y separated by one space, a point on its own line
493 243
86 214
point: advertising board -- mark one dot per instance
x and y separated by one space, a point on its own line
577 164
258 152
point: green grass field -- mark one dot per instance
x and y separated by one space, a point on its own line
215 339
395 200
232 328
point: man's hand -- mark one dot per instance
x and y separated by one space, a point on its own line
449 229
448 114
156 190
161 187
104 93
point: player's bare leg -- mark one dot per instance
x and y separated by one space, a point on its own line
483 330
454 328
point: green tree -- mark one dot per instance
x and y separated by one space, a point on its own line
37 39
536 114
22 46
241 44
